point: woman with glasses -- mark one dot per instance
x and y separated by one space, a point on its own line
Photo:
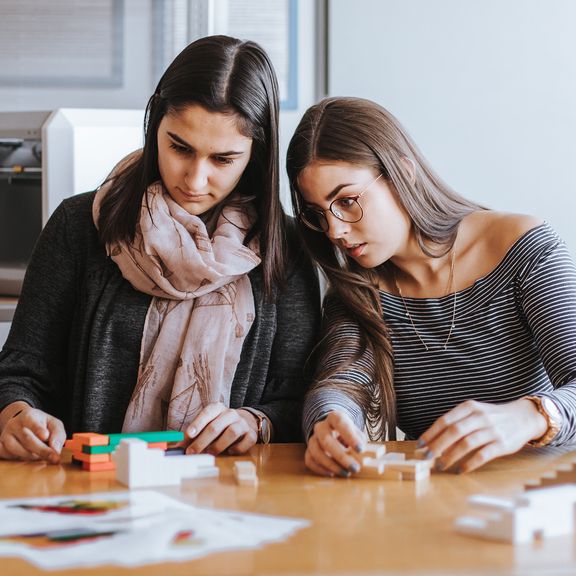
175 297
452 322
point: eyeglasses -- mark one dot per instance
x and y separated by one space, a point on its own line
346 209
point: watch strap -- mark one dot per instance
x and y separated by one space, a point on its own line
264 424
553 424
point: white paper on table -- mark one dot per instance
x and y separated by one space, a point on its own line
150 527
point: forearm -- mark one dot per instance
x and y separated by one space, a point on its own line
321 402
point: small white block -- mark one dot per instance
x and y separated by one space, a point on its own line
245 473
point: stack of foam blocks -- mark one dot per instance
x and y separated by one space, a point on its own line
93 452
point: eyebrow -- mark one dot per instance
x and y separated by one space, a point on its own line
334 192
177 138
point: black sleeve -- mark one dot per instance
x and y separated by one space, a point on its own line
33 360
298 323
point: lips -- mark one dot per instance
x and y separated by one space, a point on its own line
354 250
192 195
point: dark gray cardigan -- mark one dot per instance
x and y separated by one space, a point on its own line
74 346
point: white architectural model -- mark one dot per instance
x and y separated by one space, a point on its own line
533 515
138 466
376 463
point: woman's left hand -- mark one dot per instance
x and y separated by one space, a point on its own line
220 429
474 433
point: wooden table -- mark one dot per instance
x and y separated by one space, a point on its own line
358 526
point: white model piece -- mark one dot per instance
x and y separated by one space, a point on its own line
565 474
138 466
530 516
392 466
245 473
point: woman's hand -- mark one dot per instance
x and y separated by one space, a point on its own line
327 452
31 435
474 433
218 429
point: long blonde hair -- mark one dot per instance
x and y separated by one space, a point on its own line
363 133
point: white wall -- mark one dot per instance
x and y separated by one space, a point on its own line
487 88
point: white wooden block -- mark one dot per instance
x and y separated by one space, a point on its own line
532 515
371 468
138 466
394 456
245 473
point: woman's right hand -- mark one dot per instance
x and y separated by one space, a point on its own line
329 447
30 434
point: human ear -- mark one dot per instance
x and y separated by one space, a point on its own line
410 168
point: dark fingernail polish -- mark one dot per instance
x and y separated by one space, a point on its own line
344 473
429 455
354 468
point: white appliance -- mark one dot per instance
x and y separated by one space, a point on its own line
46 157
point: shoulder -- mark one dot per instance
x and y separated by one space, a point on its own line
77 211
503 230
485 238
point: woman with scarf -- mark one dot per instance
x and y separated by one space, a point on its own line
176 296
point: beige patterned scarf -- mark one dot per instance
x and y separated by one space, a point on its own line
202 308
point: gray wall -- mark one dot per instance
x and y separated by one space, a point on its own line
487 88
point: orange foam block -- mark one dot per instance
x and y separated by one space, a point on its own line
91 439
98 466
160 445
93 458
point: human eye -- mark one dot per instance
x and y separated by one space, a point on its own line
224 160
184 150
346 202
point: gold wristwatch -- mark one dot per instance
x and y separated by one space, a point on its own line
550 411
264 432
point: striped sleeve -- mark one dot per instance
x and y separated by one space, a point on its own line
548 298
324 399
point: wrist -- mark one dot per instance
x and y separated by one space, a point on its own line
535 421
259 422
10 411
549 413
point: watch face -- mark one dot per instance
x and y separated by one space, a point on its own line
551 409
265 431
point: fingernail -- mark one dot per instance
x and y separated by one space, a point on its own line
457 470
439 466
57 446
359 448
344 473
428 454
420 444
191 432
354 468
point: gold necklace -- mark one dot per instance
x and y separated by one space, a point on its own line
448 290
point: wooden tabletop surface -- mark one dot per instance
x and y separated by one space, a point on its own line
358 526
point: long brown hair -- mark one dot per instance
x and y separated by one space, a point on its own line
224 75
363 133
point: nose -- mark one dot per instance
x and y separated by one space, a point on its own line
196 176
336 227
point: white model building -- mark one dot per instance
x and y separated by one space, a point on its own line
138 466
530 516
